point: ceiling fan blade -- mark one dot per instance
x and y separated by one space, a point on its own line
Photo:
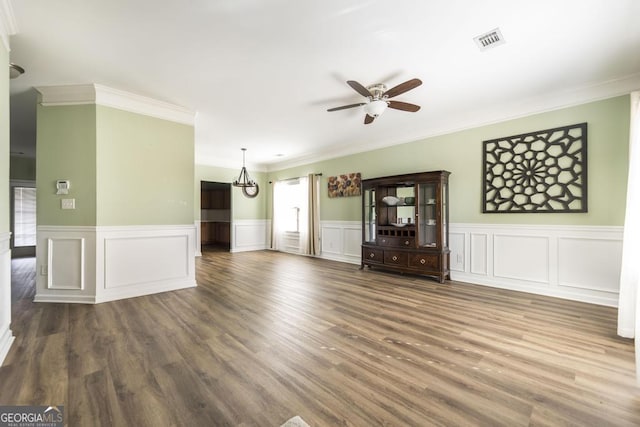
344 107
402 88
368 119
359 88
404 106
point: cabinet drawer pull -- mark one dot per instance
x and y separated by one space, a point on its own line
372 255
406 243
423 261
395 258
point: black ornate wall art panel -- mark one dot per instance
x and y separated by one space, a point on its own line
544 171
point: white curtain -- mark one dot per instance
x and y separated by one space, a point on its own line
629 299
303 217
276 216
312 246
295 215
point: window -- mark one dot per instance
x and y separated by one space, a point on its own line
290 213
291 198
24 216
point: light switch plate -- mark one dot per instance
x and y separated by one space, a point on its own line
68 203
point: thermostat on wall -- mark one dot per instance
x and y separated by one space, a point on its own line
63 186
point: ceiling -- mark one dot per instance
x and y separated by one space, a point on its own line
261 74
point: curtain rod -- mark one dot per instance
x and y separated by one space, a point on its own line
298 177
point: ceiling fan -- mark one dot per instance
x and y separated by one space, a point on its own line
378 98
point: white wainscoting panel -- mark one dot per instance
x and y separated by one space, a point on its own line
133 260
65 258
341 240
521 257
456 244
198 248
250 235
65 264
141 260
6 335
581 263
577 255
97 264
478 253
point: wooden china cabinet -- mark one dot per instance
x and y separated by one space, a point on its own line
405 223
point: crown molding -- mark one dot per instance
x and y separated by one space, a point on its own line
571 97
102 95
8 24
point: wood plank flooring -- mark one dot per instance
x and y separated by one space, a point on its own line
266 336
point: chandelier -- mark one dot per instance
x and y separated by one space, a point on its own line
244 180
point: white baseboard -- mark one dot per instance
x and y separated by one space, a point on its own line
6 339
6 335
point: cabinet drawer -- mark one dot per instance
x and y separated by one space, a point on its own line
388 241
397 242
425 261
395 258
371 254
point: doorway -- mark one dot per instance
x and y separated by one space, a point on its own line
23 219
215 216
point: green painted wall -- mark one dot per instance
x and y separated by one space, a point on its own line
461 154
23 168
241 207
66 141
145 169
4 139
124 168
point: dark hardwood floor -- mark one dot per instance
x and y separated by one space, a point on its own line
266 336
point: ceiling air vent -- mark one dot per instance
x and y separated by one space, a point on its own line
488 40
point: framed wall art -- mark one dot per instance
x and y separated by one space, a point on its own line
345 185
543 171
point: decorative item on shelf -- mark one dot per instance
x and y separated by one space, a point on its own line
398 224
431 201
409 200
249 186
431 222
390 200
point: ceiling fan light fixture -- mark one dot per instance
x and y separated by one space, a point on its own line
376 107
244 180
15 71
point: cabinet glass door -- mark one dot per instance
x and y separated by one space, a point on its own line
427 215
445 214
369 216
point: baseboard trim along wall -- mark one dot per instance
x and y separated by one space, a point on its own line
99 264
580 263
6 335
